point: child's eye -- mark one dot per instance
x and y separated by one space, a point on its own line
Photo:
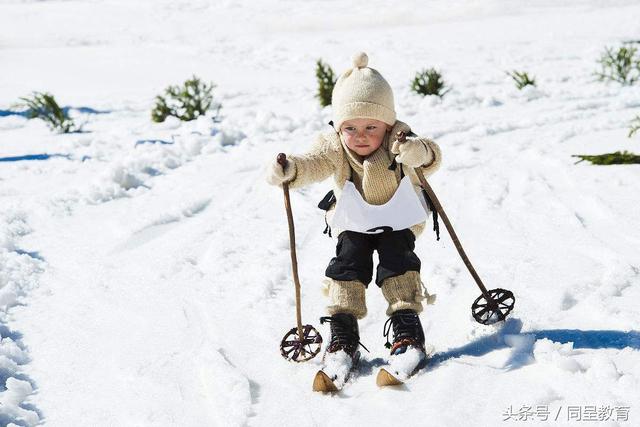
350 129
372 127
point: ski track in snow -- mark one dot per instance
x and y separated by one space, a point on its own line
149 263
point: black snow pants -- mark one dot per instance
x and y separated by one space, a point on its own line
354 251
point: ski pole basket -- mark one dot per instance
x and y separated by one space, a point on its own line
302 349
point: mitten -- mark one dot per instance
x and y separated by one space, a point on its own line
412 152
275 174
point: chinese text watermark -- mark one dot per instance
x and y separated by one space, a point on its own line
567 413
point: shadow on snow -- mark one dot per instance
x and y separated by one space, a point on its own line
28 157
6 373
153 141
84 110
510 335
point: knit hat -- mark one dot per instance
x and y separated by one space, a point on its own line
361 92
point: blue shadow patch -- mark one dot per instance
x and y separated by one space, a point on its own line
592 339
30 157
153 141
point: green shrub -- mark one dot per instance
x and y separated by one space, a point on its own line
621 65
634 126
187 102
326 81
429 82
522 79
44 106
617 158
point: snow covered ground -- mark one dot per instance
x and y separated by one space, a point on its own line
144 268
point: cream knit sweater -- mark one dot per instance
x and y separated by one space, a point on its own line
371 176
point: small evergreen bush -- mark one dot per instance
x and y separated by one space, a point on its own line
621 65
187 102
617 158
634 126
326 81
44 106
429 82
522 79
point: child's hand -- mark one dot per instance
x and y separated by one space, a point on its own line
412 152
276 175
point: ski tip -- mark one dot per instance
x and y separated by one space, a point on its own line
322 383
385 378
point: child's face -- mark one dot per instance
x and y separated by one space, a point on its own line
364 136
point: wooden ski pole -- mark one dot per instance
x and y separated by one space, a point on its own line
282 161
402 137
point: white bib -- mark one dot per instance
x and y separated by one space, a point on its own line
403 210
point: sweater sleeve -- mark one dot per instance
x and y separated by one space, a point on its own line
316 165
434 157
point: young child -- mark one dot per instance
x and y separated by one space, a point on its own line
379 207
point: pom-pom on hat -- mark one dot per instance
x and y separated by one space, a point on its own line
361 92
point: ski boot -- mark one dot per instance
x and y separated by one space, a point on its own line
408 353
407 332
341 356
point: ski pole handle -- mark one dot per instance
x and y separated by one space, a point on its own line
282 160
401 137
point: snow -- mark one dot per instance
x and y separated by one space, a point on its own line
337 365
402 365
145 275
